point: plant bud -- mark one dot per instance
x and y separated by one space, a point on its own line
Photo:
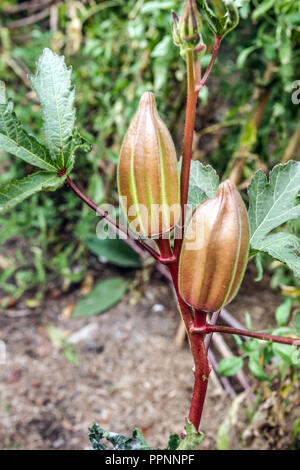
215 250
148 174
187 28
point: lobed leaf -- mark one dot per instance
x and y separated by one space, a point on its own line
273 203
74 143
203 184
52 84
220 25
192 439
119 442
15 140
16 191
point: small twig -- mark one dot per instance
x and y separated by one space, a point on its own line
225 382
203 81
30 19
291 148
53 18
180 334
217 385
213 321
31 5
14 65
215 127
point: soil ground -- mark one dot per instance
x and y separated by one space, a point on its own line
131 373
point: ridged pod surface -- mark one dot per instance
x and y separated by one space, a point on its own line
148 179
215 251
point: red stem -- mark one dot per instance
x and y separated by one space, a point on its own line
207 329
131 240
187 147
197 344
198 349
201 372
202 82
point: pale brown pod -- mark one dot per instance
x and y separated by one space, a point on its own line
148 179
215 251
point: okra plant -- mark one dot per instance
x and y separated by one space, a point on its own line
176 208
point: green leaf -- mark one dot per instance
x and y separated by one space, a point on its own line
52 84
283 312
103 296
284 247
231 16
204 183
119 442
70 354
248 136
150 7
255 367
174 441
249 346
96 189
285 49
296 320
223 435
259 267
262 8
114 251
273 203
220 26
161 49
212 20
243 55
15 140
76 142
58 338
286 352
16 191
289 354
229 366
192 439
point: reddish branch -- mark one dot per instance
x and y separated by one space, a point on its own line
207 329
117 227
187 147
203 81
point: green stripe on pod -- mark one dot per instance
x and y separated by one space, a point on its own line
215 251
148 179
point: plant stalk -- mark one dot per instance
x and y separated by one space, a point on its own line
201 372
130 239
203 81
187 147
207 329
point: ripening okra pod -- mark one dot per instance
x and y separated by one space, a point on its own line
215 251
148 179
